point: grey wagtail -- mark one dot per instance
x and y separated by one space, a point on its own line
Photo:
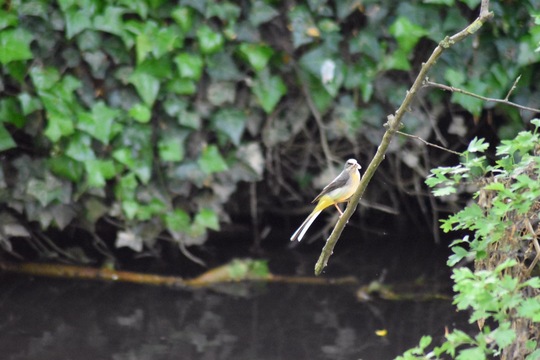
339 190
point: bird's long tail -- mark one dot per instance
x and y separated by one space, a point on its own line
301 231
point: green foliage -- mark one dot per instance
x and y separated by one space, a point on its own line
151 107
500 289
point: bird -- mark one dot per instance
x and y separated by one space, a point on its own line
339 190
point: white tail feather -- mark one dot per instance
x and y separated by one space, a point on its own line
305 226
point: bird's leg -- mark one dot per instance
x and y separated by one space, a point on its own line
338 209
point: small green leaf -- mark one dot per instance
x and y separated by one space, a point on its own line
211 160
99 122
140 113
170 148
111 20
44 78
77 20
58 126
29 103
147 86
231 122
80 147
530 308
66 167
190 66
10 112
303 27
7 19
6 141
444 191
208 219
477 145
184 17
182 86
124 156
178 221
209 41
425 341
474 353
166 40
459 254
269 89
97 171
15 45
406 33
261 12
143 46
256 55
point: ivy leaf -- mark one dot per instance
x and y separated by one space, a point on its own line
256 55
28 103
182 86
111 20
58 125
80 147
397 61
140 113
7 19
44 78
303 27
129 239
15 45
178 221
6 141
97 171
99 122
165 40
183 17
211 160
190 66
231 122
269 89
77 20
66 167
171 148
147 86
208 219
124 156
406 33
209 41
10 112
261 12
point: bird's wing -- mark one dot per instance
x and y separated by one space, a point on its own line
337 183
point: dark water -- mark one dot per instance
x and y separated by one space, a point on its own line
60 319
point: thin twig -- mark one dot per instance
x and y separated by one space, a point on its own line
393 124
428 143
318 118
514 85
468 93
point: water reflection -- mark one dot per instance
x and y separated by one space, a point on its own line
60 319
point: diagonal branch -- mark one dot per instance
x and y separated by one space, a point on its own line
392 126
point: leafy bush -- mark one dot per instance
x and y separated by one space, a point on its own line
501 293
150 114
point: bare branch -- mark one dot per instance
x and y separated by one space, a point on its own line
468 93
428 143
318 118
